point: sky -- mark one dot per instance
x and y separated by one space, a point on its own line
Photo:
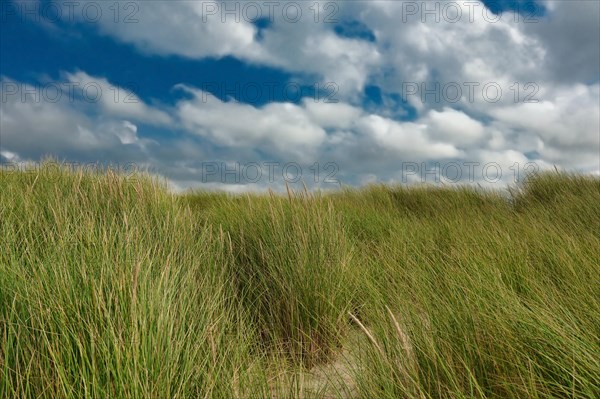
253 95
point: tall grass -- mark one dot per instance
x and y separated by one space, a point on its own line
489 300
292 270
109 289
112 287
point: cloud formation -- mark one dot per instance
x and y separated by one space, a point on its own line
529 92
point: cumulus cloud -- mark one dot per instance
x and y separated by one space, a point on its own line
115 100
33 126
298 39
567 128
438 48
548 111
282 127
313 49
332 115
406 139
455 126
190 29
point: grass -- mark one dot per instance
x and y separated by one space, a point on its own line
113 287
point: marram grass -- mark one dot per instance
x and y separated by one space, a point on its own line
115 288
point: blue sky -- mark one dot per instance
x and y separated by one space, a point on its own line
363 91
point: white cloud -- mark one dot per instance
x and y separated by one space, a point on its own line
455 126
559 54
567 128
283 127
200 29
184 28
115 100
36 127
9 156
332 115
312 49
407 139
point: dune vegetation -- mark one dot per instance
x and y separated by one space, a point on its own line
114 287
